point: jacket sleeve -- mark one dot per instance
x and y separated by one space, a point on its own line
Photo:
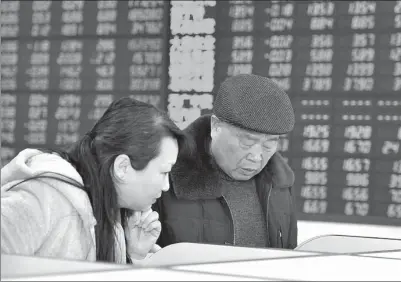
23 224
293 233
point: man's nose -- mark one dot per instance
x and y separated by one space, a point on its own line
256 154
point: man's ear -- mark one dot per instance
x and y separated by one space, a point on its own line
214 126
121 166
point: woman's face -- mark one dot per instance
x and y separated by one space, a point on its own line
139 189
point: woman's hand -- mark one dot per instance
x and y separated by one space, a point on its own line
141 232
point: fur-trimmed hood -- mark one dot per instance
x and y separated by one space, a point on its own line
197 177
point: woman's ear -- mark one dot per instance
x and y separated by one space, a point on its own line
121 166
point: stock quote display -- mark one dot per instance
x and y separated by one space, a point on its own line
63 62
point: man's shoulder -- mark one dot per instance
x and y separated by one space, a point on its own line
280 172
192 162
201 121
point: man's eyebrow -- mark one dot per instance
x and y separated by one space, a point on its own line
270 138
247 135
251 136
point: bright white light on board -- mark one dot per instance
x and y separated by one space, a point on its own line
187 17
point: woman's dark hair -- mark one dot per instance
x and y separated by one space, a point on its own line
127 127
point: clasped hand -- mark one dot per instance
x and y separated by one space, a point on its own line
141 232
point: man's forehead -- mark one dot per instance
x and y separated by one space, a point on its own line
253 134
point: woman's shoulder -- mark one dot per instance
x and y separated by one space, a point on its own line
38 191
37 211
53 186
49 198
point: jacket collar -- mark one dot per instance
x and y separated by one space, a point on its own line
197 176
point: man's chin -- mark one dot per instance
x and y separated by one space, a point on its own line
242 177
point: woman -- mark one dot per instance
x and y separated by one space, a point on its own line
94 201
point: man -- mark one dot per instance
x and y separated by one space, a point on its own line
236 189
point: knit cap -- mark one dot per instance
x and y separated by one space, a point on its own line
254 103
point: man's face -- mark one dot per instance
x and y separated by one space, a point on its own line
240 153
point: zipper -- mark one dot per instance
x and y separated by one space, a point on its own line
281 237
267 216
231 220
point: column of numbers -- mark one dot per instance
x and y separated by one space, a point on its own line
361 69
9 18
318 73
319 70
280 55
312 168
8 118
390 150
106 18
103 58
145 68
315 167
67 114
394 185
72 18
146 17
41 17
37 123
242 45
145 71
39 68
9 64
395 48
356 192
70 61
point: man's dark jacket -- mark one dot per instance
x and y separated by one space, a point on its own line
194 210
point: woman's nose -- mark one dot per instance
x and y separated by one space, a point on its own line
166 184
